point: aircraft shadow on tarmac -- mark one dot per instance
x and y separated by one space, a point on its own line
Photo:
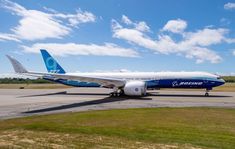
85 103
105 94
64 93
104 100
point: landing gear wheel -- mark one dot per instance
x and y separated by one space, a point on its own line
114 94
121 92
111 94
207 92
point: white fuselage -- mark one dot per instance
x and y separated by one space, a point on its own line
149 75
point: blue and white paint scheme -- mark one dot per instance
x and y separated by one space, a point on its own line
128 83
51 64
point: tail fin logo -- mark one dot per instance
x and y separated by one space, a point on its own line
51 63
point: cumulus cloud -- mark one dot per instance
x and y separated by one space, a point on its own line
175 26
229 6
78 18
141 26
206 36
107 49
126 20
193 45
38 25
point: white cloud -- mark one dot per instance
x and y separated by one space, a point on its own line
206 36
225 21
115 25
230 40
49 9
38 25
126 20
202 54
78 18
4 37
108 49
234 52
229 6
141 26
193 45
175 26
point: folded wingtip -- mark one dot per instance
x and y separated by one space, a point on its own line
18 67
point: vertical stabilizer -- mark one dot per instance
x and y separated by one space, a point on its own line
51 64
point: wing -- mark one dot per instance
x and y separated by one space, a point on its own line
106 82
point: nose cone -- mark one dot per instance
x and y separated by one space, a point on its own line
221 82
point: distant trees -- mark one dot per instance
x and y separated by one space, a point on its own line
229 79
23 81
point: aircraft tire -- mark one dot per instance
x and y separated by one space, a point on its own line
206 94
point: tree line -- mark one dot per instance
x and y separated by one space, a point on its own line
24 81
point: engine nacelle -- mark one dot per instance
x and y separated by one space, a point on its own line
135 88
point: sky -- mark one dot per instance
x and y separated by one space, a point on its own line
113 35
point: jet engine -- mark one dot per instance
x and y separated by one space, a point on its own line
135 88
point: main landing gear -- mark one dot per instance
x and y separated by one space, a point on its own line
207 92
116 93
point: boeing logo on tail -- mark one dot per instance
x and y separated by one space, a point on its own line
52 65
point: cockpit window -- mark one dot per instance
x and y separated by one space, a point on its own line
219 78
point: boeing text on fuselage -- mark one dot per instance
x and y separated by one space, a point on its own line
178 84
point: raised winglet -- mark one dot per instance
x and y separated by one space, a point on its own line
18 67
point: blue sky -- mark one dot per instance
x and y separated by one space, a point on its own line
153 35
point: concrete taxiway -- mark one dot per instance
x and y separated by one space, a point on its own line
18 103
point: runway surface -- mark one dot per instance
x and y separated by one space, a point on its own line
18 103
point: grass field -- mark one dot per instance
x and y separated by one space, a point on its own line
132 128
228 87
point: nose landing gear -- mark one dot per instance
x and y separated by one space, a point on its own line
207 92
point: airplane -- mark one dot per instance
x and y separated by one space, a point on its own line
122 83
